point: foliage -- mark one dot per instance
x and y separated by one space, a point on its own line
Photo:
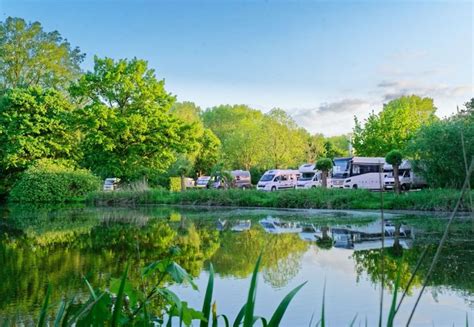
394 126
437 150
128 129
49 181
175 184
29 56
209 153
34 124
394 158
324 164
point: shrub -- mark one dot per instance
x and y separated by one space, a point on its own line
53 181
175 184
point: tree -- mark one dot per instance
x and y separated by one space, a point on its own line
30 56
394 126
437 149
394 158
325 165
337 146
128 129
209 152
34 124
315 148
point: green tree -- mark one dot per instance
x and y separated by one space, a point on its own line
315 148
394 126
34 124
437 149
30 56
240 130
208 154
128 129
325 165
395 158
337 146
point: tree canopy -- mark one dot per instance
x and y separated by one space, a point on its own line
30 56
394 126
127 125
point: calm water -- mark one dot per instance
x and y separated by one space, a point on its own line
61 245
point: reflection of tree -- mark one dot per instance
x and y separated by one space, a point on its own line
453 270
33 257
239 252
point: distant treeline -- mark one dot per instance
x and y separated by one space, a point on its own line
118 120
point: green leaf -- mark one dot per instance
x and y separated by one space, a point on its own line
179 275
159 265
119 299
280 311
239 317
206 307
392 313
60 314
250 305
353 320
44 308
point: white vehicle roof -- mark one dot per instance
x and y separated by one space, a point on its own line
240 173
368 160
308 168
204 177
405 165
281 171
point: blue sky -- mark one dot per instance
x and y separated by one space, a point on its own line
321 61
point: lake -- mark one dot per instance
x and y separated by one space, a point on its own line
339 249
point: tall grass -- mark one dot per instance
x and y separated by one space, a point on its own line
427 200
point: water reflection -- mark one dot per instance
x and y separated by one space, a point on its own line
61 245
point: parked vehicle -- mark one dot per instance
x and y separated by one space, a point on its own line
111 184
276 226
408 179
189 182
358 172
203 182
239 179
310 177
278 179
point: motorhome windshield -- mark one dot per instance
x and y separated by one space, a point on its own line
341 168
267 177
306 176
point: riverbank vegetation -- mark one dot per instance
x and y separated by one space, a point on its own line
118 120
318 198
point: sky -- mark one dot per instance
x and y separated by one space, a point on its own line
321 61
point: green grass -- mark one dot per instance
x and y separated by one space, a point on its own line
426 200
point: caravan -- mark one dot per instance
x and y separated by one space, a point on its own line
278 179
358 172
408 179
310 177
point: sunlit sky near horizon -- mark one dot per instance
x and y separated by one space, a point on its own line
321 61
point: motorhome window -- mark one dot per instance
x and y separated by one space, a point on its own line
340 168
364 169
284 177
267 177
306 176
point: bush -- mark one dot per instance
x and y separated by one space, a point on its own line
52 181
175 184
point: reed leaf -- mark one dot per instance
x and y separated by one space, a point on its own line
239 317
393 307
44 308
206 307
281 309
250 305
60 314
323 318
119 299
353 320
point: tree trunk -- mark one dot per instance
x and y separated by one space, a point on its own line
396 179
183 184
325 178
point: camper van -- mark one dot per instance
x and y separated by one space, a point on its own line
309 176
278 179
408 179
358 172
203 182
240 179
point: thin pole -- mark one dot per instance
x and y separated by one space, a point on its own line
443 240
382 265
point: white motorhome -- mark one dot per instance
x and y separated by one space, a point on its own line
278 179
310 177
408 179
358 172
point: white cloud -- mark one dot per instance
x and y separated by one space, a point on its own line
396 88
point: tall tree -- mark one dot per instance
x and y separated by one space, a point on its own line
34 124
394 158
129 131
394 126
209 152
30 56
315 148
325 165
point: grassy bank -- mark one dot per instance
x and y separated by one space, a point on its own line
427 200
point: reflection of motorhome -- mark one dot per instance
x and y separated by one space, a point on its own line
276 226
310 177
408 179
278 179
358 172
203 181
241 225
